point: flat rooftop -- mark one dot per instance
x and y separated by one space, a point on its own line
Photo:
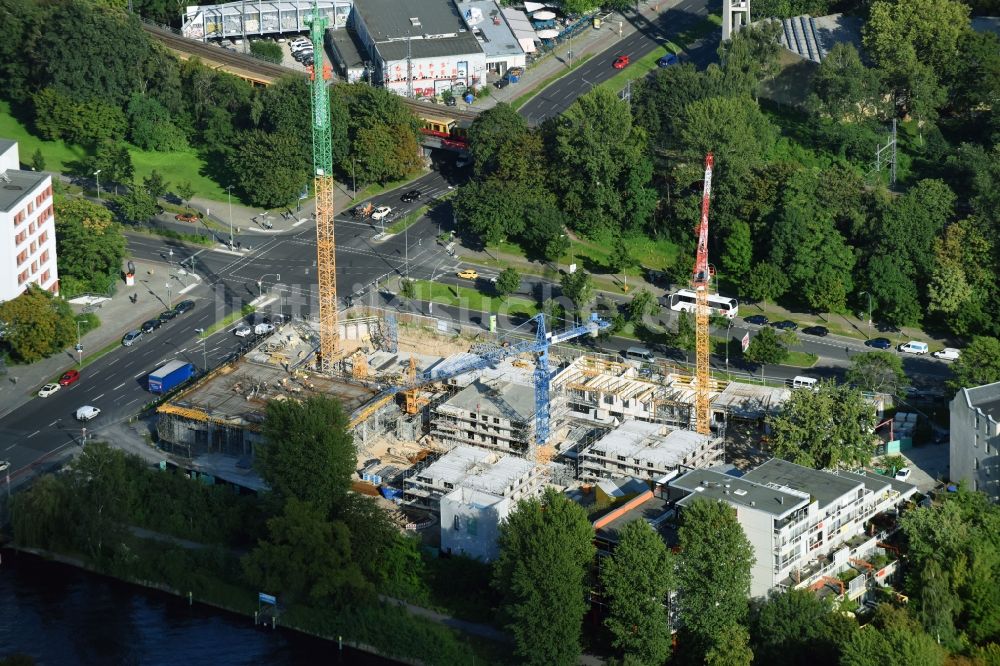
437 47
395 19
345 48
488 25
456 465
825 486
750 400
239 394
498 399
709 484
16 185
986 398
500 478
654 511
649 443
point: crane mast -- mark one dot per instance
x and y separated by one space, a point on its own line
701 280
326 249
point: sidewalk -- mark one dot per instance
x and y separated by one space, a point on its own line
117 314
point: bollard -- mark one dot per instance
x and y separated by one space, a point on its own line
190 598
340 643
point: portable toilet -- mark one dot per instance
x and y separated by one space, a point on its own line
469 97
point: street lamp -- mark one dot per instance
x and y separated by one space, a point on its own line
168 295
354 182
79 345
204 352
260 282
229 190
865 293
97 174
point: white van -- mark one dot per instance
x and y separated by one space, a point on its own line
640 354
802 381
913 347
948 354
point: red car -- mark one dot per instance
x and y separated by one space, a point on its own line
621 62
70 377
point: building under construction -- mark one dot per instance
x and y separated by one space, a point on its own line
415 393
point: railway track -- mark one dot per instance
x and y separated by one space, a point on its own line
265 73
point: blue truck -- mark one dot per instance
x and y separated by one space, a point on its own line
169 375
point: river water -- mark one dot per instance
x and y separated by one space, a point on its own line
63 616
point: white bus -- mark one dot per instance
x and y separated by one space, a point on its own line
684 300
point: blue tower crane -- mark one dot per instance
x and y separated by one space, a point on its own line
487 355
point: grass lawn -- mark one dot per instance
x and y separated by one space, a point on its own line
472 299
518 102
592 255
177 166
637 69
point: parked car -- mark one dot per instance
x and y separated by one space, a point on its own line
87 412
821 331
184 306
621 62
785 325
381 213
131 338
242 331
500 84
903 474
150 325
879 343
186 217
48 390
71 377
913 347
412 195
758 320
468 274
263 329
948 354
167 315
668 60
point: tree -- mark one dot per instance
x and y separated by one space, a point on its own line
268 168
90 246
878 371
684 336
87 123
38 160
151 127
184 190
115 163
306 558
737 253
502 145
711 598
766 283
155 184
136 205
578 287
620 259
546 546
36 325
103 495
979 364
751 56
888 279
844 88
544 231
603 184
799 629
268 51
408 288
382 132
309 454
491 209
636 579
894 640
733 128
508 282
642 304
826 428
731 649
766 348
928 29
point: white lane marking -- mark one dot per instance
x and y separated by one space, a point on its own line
118 387
139 375
10 447
33 434
131 401
54 422
98 397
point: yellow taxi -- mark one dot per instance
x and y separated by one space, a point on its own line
468 274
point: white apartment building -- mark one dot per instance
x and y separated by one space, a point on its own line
27 227
974 438
805 525
648 451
